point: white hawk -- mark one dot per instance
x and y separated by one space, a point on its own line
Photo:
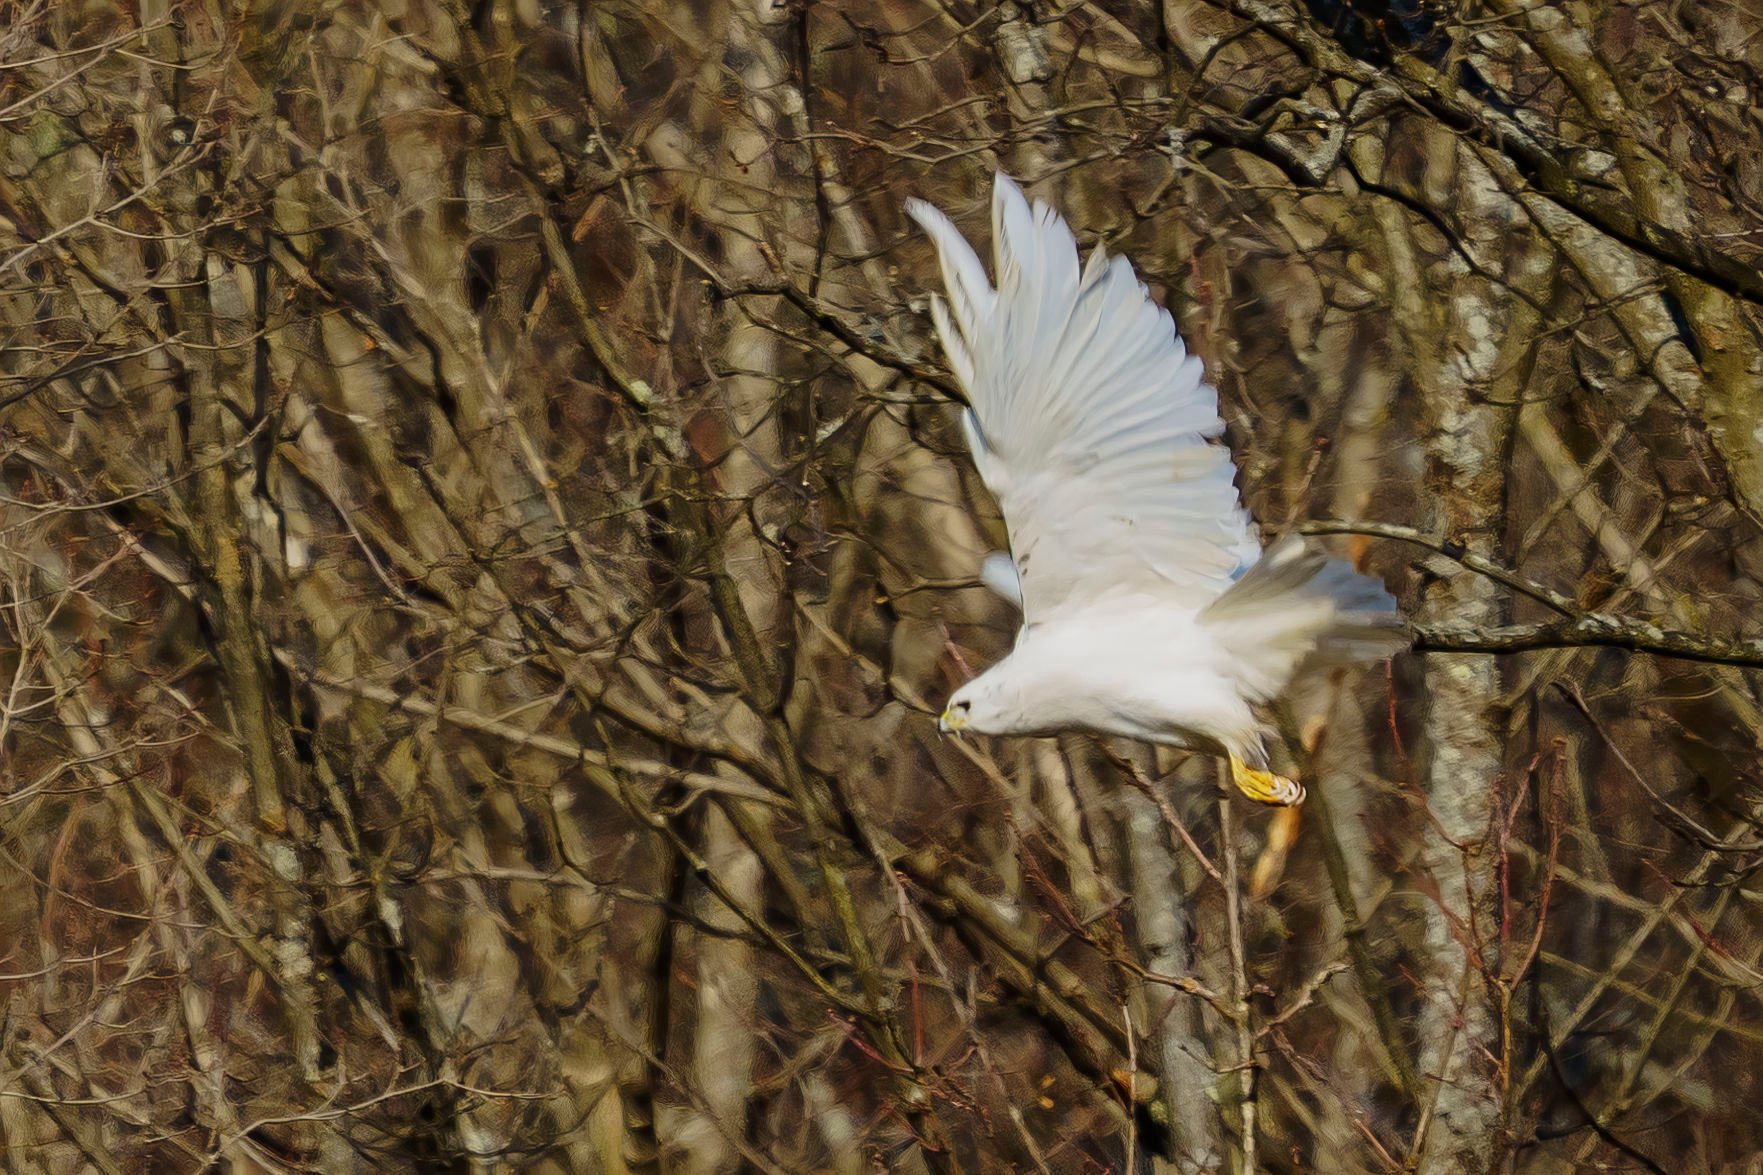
1149 609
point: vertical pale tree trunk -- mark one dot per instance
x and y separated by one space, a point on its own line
757 216
1466 338
1183 1061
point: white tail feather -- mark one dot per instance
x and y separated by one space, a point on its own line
1296 604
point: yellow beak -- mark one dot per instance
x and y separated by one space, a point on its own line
951 723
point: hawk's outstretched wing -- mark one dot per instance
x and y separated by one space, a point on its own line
1088 419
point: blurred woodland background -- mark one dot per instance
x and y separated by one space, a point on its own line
484 540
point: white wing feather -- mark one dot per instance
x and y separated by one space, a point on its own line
1088 420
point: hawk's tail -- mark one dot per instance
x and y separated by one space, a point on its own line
1297 606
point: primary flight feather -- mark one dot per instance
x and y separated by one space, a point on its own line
1149 608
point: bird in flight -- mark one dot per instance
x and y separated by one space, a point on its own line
1149 608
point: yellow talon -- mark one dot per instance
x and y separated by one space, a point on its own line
1264 787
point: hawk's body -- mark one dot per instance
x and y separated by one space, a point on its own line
1064 675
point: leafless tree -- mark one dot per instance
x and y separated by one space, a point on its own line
484 539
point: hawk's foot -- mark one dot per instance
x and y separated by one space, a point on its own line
1264 787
